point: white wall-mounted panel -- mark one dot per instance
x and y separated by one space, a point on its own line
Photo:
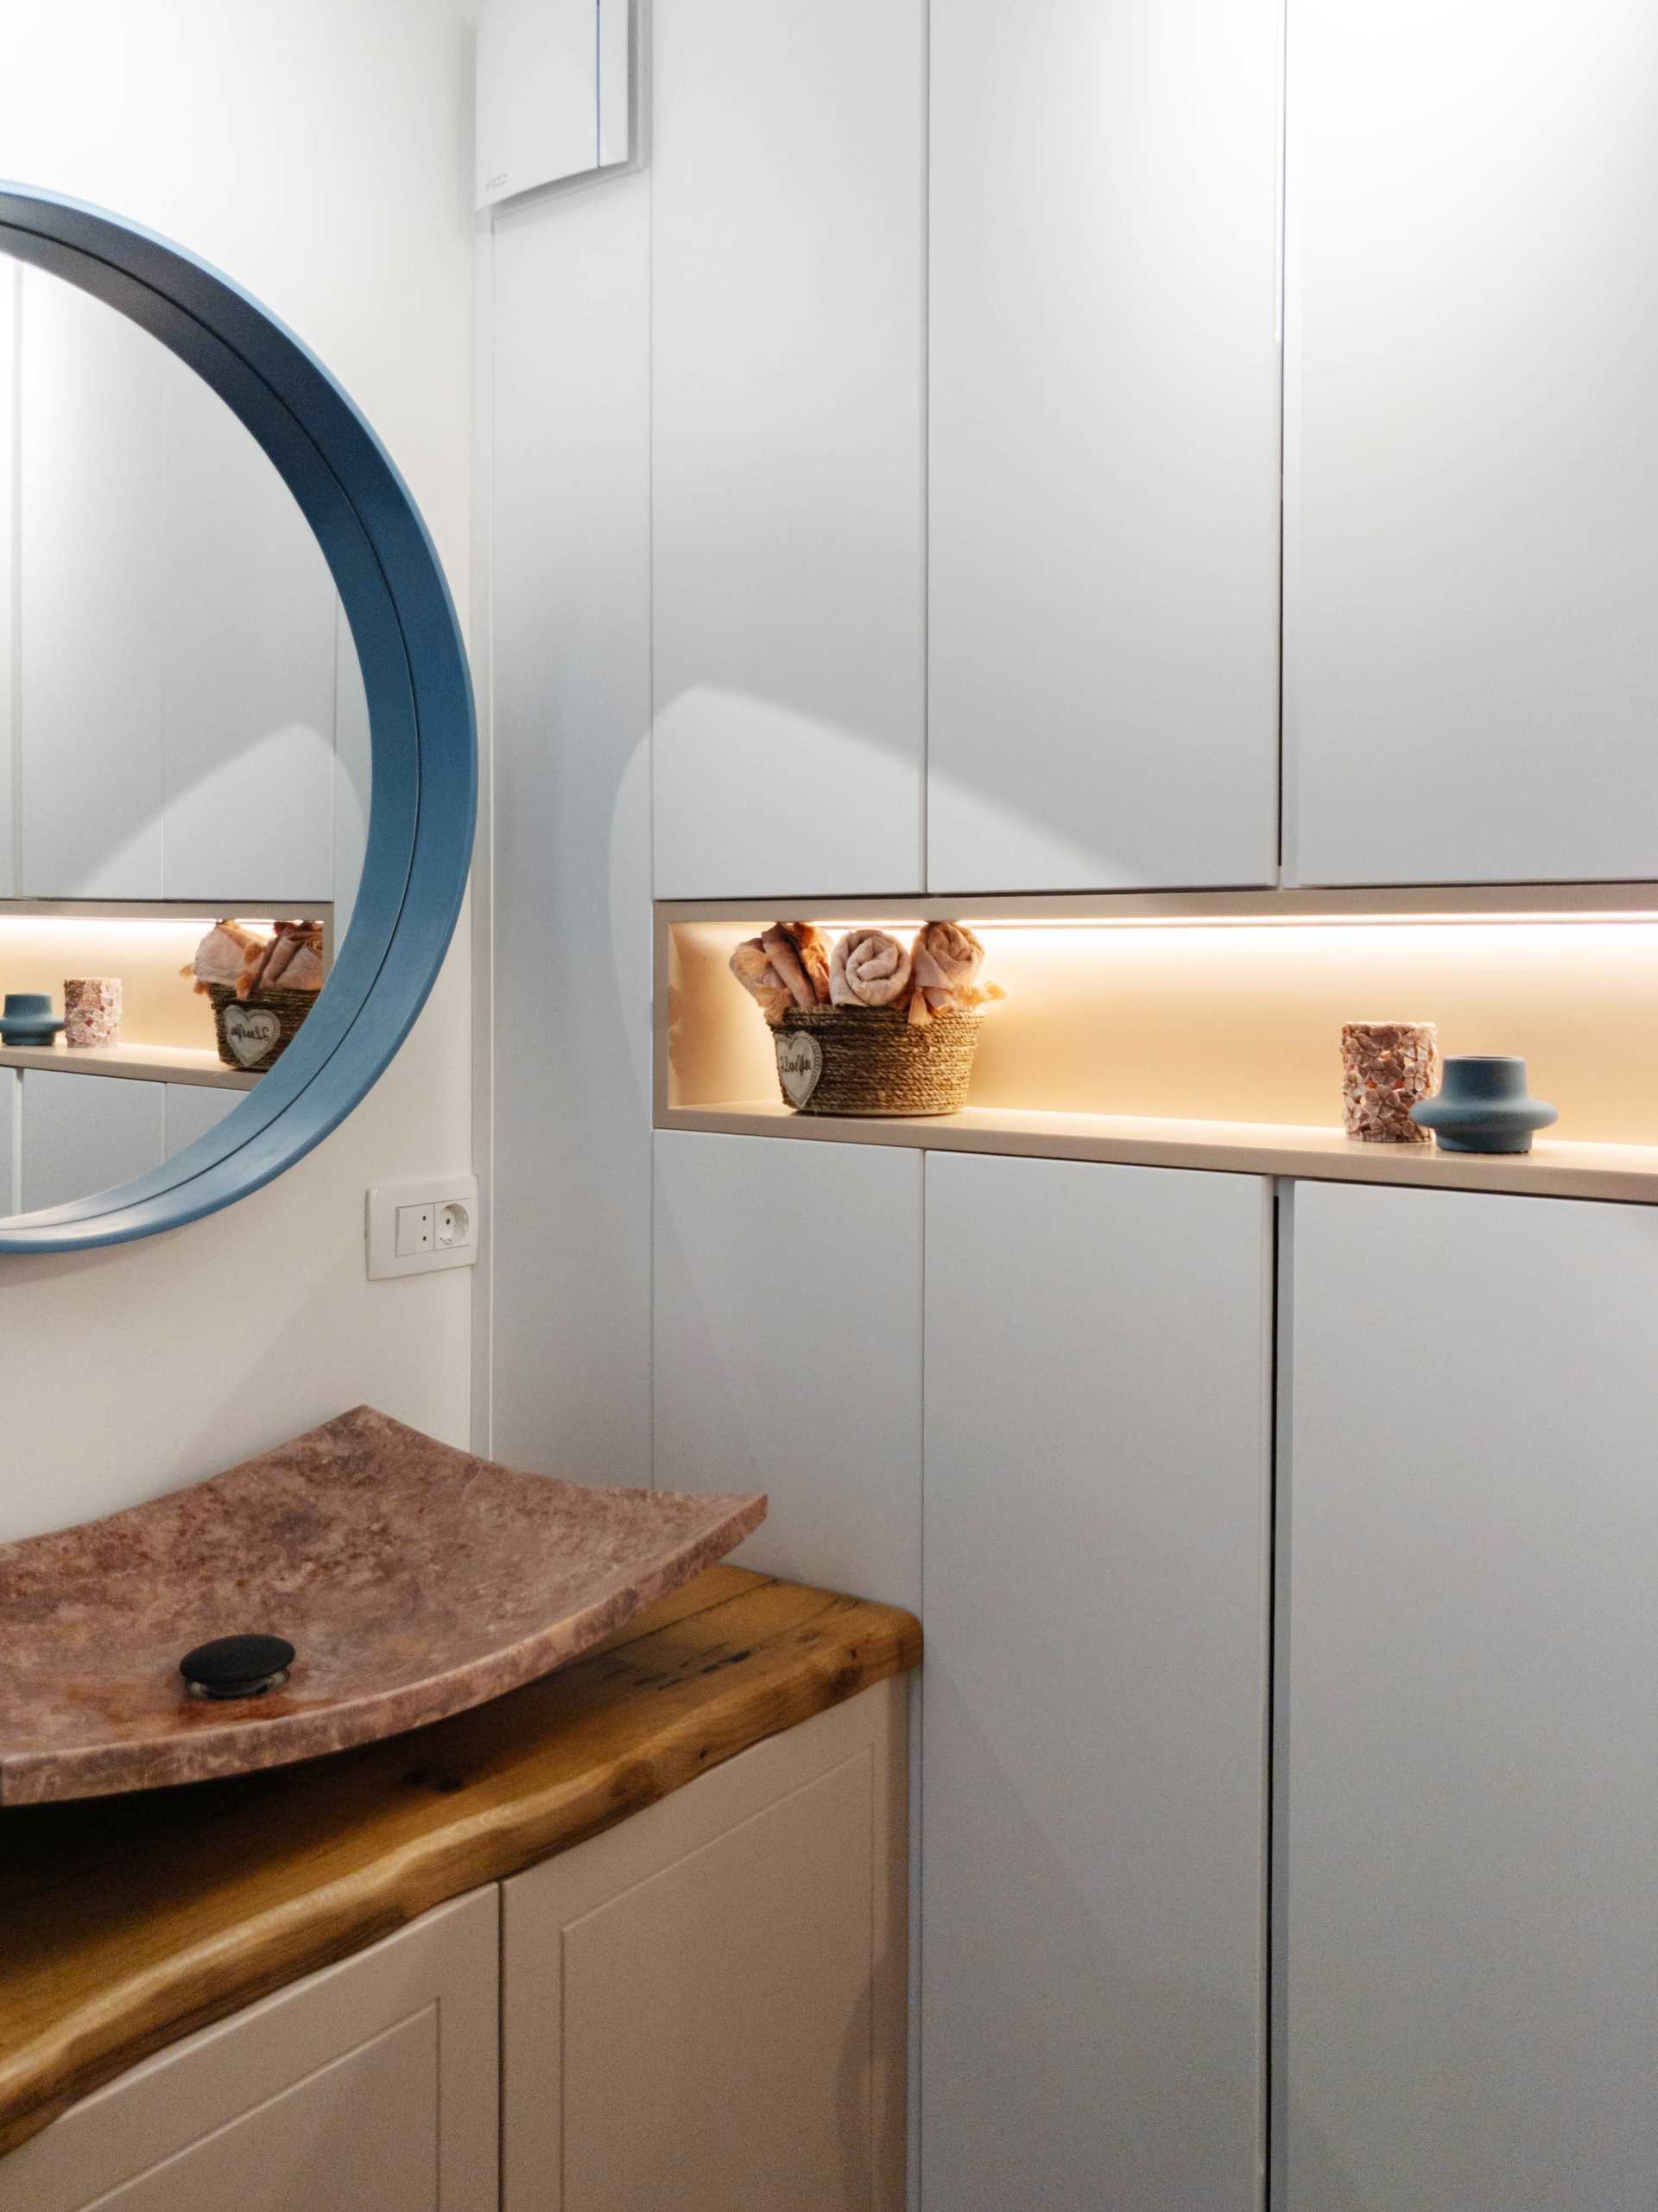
93 492
538 99
1467 1560
1103 445
571 858
193 1109
788 1349
85 1133
1471 545
1094 1885
787 413
247 620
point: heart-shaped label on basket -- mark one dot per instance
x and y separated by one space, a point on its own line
251 1032
799 1063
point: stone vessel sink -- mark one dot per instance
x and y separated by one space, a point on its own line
412 1580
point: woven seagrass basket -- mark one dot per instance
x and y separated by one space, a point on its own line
254 1032
869 1060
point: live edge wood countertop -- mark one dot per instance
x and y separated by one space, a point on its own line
125 1923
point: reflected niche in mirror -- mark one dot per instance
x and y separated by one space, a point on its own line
184 749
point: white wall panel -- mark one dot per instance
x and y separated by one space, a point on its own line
1103 444
84 1133
11 1132
788 409
319 153
1471 545
788 1349
91 547
1093 1889
1468 1558
571 860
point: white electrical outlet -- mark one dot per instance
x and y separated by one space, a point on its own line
413 1227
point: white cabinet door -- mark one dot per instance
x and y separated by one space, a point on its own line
90 588
704 2008
371 2087
1103 444
1471 544
1093 1885
194 1108
1467 1562
11 1129
248 645
85 1133
787 193
788 1349
11 292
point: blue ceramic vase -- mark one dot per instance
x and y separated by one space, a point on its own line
29 1018
1481 1105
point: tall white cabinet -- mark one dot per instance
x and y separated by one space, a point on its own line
1467 1562
1470 669
787 437
1094 1878
1103 445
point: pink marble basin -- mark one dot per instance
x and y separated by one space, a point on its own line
412 1580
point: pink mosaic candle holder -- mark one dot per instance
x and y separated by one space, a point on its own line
1387 1068
91 1010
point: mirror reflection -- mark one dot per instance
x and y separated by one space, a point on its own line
184 753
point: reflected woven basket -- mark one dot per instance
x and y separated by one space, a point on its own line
871 1060
254 1033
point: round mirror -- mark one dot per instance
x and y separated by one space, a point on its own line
238 765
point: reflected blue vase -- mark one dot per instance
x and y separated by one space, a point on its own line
1481 1105
29 1018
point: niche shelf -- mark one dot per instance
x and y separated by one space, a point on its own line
1199 1030
168 1028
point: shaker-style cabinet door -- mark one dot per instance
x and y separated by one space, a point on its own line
1093 2001
1467 1560
85 1133
371 2087
1103 444
787 435
1471 668
703 2009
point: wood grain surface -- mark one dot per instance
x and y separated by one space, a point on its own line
130 1922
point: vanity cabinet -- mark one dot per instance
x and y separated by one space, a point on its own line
371 2087
704 2008
1094 1696
1103 446
1467 1556
787 435
1471 670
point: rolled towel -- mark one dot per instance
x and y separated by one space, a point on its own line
295 962
868 968
944 962
224 953
787 966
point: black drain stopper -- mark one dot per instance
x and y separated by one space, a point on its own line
236 1666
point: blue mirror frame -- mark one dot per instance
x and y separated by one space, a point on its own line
423 800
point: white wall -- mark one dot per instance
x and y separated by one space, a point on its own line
320 152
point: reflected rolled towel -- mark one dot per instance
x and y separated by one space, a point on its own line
945 963
868 968
787 966
224 953
295 962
